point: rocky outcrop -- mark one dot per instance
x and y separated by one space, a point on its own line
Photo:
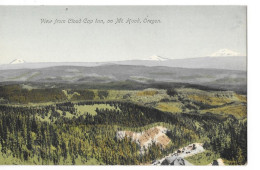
145 139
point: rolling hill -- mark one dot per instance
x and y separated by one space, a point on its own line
111 74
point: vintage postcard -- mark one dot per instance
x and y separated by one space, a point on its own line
123 85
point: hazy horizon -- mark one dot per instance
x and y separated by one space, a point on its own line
183 32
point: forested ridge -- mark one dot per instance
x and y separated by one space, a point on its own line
43 135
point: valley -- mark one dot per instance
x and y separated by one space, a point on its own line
109 126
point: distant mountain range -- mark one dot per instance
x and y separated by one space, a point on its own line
224 69
227 62
103 74
222 59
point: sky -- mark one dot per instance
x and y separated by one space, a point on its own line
182 32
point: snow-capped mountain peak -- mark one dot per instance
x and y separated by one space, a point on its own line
17 61
156 58
225 53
